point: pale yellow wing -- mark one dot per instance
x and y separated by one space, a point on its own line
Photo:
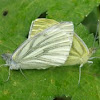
79 52
39 25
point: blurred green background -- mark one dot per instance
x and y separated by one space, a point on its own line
54 83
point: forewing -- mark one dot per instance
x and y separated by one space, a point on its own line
78 50
48 48
39 25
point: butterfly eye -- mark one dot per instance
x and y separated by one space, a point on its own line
94 50
4 56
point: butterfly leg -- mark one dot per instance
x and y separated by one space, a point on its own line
90 62
80 73
8 75
23 73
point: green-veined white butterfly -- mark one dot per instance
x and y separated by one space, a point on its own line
79 53
49 48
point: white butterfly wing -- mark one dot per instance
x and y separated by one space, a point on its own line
49 48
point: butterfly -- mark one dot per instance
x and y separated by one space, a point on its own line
79 52
49 47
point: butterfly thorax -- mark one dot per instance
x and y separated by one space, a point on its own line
11 63
85 58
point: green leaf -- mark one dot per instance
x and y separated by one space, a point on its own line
91 21
85 35
15 20
72 10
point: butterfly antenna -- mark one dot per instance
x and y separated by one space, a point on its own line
80 73
96 34
8 75
3 65
23 73
93 58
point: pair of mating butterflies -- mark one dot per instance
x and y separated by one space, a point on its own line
49 44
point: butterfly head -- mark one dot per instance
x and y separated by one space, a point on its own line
9 61
7 58
86 57
92 50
